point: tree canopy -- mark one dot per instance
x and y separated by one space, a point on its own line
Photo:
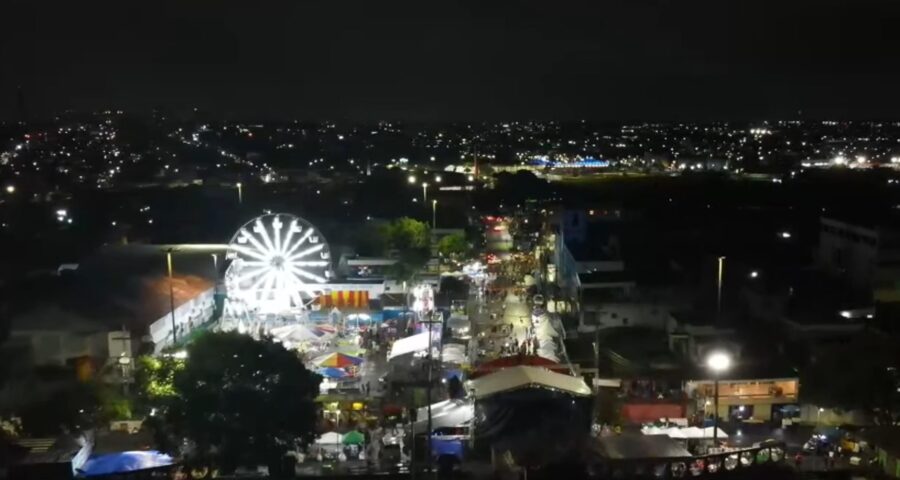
859 374
239 401
411 242
453 246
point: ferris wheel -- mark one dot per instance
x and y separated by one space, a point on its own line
279 264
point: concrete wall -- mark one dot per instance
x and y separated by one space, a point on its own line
188 316
609 315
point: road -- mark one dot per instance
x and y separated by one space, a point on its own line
500 320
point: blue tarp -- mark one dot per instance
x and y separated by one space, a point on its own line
124 462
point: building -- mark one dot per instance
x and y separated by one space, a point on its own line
743 398
865 252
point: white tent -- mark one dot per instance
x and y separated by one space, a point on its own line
449 413
521 376
294 333
708 433
330 438
412 344
683 433
454 353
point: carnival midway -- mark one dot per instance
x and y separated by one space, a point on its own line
416 381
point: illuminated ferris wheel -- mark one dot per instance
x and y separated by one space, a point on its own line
279 264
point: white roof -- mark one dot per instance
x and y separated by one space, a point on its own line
686 432
330 438
512 378
412 343
449 413
454 353
294 333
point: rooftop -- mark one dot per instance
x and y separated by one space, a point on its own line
115 287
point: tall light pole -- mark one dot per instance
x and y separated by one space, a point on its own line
433 214
717 362
215 272
172 294
719 288
424 192
240 193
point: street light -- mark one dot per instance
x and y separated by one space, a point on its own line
172 293
719 288
717 362
411 179
424 192
433 214
240 193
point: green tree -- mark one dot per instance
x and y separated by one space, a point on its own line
857 375
411 241
240 401
408 234
453 246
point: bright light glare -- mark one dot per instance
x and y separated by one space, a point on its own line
437 179
411 179
10 189
61 212
785 234
754 274
718 361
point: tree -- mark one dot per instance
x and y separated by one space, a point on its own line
76 407
453 246
411 240
857 375
408 234
240 401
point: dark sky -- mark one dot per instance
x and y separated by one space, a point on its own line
445 60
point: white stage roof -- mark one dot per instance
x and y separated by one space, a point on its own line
512 378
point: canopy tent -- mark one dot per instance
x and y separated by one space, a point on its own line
330 438
449 413
454 353
123 462
331 372
354 438
412 344
671 432
514 360
458 321
683 432
337 360
522 376
294 333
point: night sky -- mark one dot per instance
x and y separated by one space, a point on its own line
450 60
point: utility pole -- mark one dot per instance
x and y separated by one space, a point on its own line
719 289
428 394
171 296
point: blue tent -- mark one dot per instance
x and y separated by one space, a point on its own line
331 372
124 462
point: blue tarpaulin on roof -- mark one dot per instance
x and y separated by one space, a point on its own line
125 462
